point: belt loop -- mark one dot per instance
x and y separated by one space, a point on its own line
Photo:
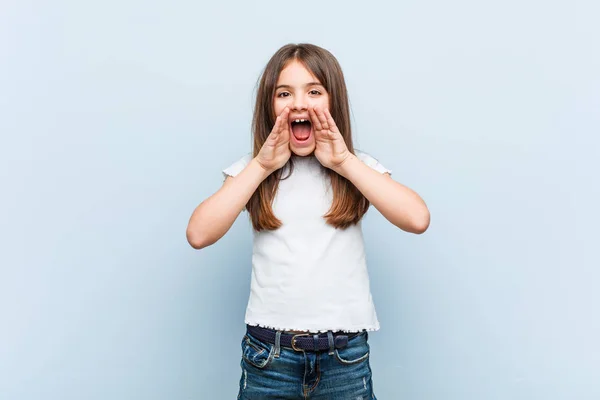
277 343
316 341
331 344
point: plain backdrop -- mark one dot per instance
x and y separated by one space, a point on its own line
117 117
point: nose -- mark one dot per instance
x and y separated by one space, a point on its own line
299 103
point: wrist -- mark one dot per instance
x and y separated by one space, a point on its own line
265 172
345 168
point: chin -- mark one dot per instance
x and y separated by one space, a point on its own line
303 151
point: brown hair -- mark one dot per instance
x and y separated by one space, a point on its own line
349 205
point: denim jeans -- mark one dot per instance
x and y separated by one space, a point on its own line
275 372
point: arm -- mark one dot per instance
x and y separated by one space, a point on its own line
215 215
397 203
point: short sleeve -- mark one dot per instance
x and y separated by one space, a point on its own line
371 162
237 166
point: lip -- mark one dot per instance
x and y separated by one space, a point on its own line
307 117
302 143
299 117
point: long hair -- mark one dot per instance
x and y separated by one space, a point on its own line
348 205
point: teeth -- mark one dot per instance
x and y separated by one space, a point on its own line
300 120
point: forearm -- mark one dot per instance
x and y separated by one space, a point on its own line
215 215
397 203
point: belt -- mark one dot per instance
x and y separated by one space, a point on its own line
301 341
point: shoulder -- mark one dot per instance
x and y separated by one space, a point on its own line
371 161
237 166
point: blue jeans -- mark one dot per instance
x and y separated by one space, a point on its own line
274 372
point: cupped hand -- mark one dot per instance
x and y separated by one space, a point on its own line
331 149
275 152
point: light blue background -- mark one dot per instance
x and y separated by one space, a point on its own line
117 117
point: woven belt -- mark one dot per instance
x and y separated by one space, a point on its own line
301 341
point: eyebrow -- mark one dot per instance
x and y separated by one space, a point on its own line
308 84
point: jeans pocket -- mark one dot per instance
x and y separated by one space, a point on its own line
256 352
356 351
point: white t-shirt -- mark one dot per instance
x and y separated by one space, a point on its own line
308 275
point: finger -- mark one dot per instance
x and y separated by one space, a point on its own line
285 123
277 126
275 131
322 119
314 119
332 126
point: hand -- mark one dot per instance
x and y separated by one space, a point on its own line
330 150
275 152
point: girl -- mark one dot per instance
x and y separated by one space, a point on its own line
306 189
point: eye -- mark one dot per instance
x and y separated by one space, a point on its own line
282 94
315 92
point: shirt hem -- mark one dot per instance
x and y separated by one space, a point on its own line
292 328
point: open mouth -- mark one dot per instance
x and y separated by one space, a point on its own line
301 129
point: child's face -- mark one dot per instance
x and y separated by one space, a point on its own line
298 89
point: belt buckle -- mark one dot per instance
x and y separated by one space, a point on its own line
294 340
